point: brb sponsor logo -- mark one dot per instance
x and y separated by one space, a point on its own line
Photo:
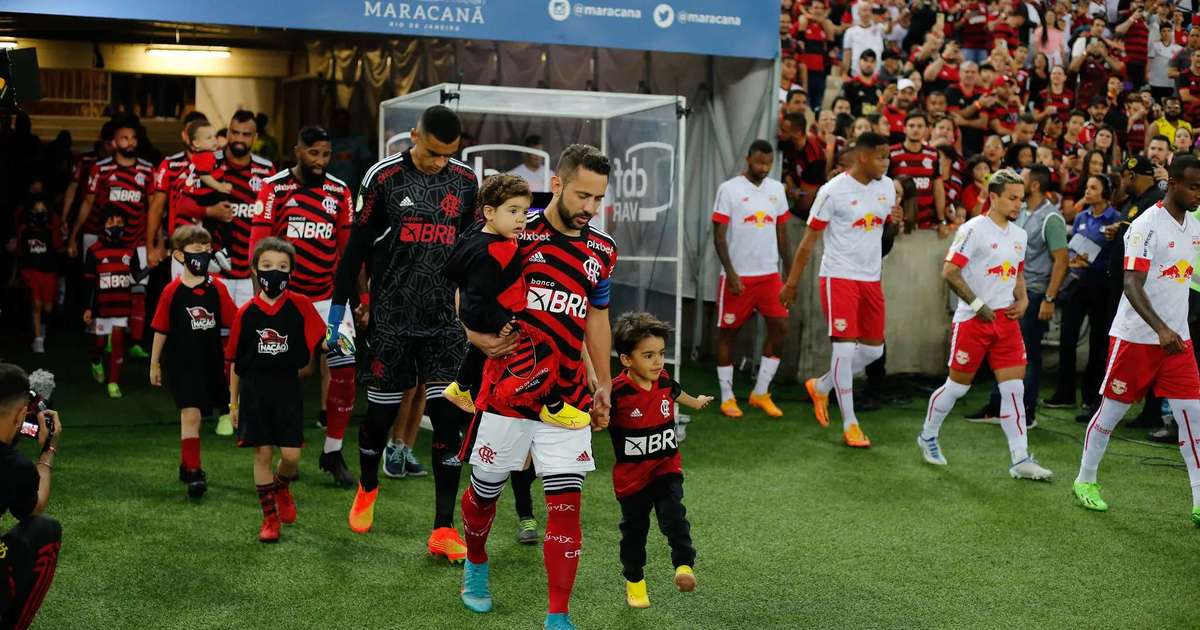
297 227
271 342
115 281
243 210
640 182
124 195
651 444
556 301
422 232
202 318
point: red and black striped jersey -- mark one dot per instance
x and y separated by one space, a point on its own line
127 188
1062 101
923 166
247 180
110 268
642 428
1137 42
1134 137
315 219
564 277
81 173
815 47
170 178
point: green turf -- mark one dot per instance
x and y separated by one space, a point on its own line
793 530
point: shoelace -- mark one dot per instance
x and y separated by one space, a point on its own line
934 449
528 525
396 456
409 457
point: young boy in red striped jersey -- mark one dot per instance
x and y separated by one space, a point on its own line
110 269
648 474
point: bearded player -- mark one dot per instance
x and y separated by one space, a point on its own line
311 210
1149 342
851 212
566 267
985 269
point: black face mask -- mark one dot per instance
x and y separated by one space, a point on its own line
114 233
40 218
197 263
273 282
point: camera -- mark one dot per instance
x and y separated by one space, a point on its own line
37 405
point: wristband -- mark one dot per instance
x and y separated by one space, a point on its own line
976 305
364 298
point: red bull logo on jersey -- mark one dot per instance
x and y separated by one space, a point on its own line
1005 271
1179 272
202 318
868 222
271 342
124 195
759 219
297 227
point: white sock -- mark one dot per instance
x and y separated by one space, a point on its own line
1095 439
1012 418
332 445
865 355
1187 417
825 383
725 380
766 372
941 401
841 366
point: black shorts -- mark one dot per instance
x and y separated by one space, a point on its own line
271 412
397 364
201 385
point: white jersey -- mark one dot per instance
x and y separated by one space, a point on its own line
1158 245
990 257
752 212
852 216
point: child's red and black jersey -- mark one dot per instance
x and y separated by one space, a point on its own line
315 219
170 179
110 268
274 339
192 319
642 428
38 245
126 188
247 180
488 274
924 167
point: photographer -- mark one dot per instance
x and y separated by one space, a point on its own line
28 551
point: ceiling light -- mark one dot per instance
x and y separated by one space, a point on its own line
187 52
8 44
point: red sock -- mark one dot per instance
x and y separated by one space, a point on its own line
137 315
560 549
340 401
477 523
117 357
98 348
189 453
266 499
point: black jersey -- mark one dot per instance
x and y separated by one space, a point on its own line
406 225
274 339
488 275
192 319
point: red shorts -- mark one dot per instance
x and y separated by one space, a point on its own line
999 341
1134 367
43 285
759 293
853 309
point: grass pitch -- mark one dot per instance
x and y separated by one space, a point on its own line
793 530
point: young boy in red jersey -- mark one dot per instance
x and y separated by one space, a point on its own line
39 242
192 311
273 341
110 269
648 473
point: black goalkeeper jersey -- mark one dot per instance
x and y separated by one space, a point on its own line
405 228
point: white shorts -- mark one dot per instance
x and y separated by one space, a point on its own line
105 325
502 443
241 290
89 240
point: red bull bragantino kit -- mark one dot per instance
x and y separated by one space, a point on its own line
852 215
752 213
1158 245
990 258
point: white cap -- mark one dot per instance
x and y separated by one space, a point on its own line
904 84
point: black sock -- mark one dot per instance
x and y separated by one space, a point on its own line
555 406
448 422
372 437
522 486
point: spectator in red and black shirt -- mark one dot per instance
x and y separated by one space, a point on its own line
897 111
1004 27
1135 33
1093 69
1136 125
815 31
648 473
1056 100
1188 84
817 158
917 159
973 123
976 37
863 90
944 71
